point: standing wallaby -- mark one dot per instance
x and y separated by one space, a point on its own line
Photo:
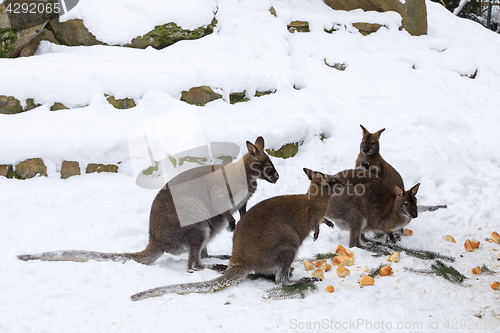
267 238
167 233
368 204
369 153
369 157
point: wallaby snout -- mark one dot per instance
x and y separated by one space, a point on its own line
270 174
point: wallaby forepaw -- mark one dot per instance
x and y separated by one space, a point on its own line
308 280
315 236
231 226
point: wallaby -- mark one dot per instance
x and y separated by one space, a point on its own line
368 204
369 156
166 233
267 237
369 153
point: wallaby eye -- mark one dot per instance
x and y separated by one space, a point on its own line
405 203
373 143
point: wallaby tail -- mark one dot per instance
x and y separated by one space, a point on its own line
430 208
146 257
231 276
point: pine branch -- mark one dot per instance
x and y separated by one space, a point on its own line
440 269
376 271
288 291
319 256
486 270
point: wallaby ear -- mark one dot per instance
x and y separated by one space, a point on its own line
251 149
259 143
398 190
315 176
365 131
308 172
414 189
377 134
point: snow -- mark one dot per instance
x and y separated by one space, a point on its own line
440 131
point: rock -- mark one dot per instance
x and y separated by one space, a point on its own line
69 168
30 168
272 11
263 93
30 104
366 28
338 66
413 12
72 33
32 46
18 30
199 95
238 97
165 35
298 26
58 106
6 170
11 105
92 167
125 103
286 151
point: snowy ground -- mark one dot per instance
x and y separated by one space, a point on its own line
441 132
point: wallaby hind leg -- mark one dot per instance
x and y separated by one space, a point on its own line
149 255
284 261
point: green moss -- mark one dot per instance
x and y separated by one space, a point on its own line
288 150
8 38
149 171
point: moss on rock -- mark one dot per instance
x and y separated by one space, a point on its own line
124 103
8 38
11 105
165 35
286 151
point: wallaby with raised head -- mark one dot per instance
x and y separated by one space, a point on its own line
369 153
369 157
166 233
267 237
368 204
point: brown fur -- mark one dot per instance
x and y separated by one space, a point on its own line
368 204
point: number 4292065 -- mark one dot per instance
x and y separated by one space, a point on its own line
32 8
